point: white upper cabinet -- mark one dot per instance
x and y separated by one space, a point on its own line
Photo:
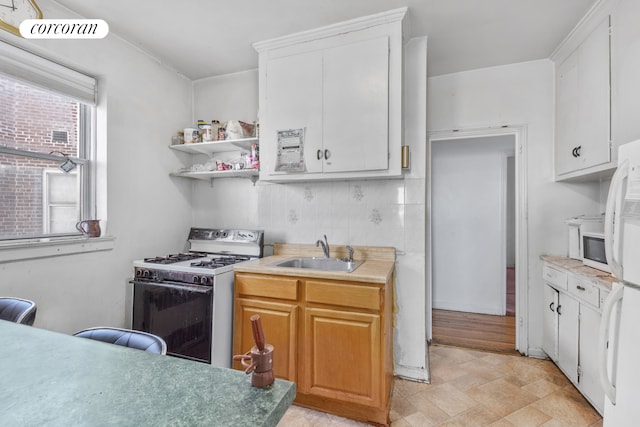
294 101
583 103
597 90
340 87
356 107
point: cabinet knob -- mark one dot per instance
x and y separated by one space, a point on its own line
558 310
327 154
551 306
319 154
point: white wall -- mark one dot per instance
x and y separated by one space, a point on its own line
228 202
519 94
376 212
469 223
141 105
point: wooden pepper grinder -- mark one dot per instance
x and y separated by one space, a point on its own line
260 355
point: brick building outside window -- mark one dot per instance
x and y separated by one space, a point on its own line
39 131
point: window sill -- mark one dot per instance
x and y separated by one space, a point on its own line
45 248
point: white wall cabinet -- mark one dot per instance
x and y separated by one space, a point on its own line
583 107
571 321
343 86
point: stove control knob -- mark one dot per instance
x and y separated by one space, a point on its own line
196 279
204 280
145 273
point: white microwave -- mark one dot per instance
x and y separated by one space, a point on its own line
593 252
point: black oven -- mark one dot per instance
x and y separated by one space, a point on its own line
182 314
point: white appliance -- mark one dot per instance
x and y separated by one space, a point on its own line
594 252
187 298
619 339
580 225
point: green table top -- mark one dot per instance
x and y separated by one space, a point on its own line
53 379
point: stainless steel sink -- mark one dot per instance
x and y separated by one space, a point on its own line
324 264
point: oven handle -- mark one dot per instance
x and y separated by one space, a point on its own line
179 286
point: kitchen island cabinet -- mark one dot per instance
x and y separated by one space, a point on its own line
337 332
55 379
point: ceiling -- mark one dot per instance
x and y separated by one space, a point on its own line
203 38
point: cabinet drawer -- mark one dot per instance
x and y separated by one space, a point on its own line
585 290
266 286
355 296
554 277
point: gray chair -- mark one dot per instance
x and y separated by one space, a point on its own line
126 338
18 310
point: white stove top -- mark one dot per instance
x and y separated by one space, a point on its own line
211 264
213 252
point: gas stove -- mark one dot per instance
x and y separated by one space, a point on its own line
213 252
187 298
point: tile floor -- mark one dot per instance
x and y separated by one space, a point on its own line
475 388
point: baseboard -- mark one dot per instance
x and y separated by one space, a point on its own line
468 308
412 373
537 352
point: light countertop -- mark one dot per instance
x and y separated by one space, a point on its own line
53 379
370 271
577 267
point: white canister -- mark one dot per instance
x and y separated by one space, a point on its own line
207 134
190 135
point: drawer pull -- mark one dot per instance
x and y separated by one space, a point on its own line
581 288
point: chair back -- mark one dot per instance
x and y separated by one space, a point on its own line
126 338
18 310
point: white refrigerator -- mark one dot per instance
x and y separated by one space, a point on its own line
619 339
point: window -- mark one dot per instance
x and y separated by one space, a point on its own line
46 147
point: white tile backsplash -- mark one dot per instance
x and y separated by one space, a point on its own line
354 212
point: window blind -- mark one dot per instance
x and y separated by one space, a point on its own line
26 66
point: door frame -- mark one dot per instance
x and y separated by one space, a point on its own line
522 262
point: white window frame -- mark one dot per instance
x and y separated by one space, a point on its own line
44 73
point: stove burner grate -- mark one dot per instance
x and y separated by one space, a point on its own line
173 258
220 261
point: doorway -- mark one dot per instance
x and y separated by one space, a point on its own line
474 234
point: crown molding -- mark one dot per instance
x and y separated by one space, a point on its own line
331 30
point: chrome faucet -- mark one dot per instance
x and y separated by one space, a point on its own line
350 249
325 246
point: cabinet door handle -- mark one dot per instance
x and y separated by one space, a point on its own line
576 151
319 154
327 154
551 306
581 288
558 310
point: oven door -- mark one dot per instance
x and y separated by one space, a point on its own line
179 313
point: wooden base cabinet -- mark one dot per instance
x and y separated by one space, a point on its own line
341 358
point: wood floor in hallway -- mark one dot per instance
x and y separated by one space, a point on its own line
472 330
